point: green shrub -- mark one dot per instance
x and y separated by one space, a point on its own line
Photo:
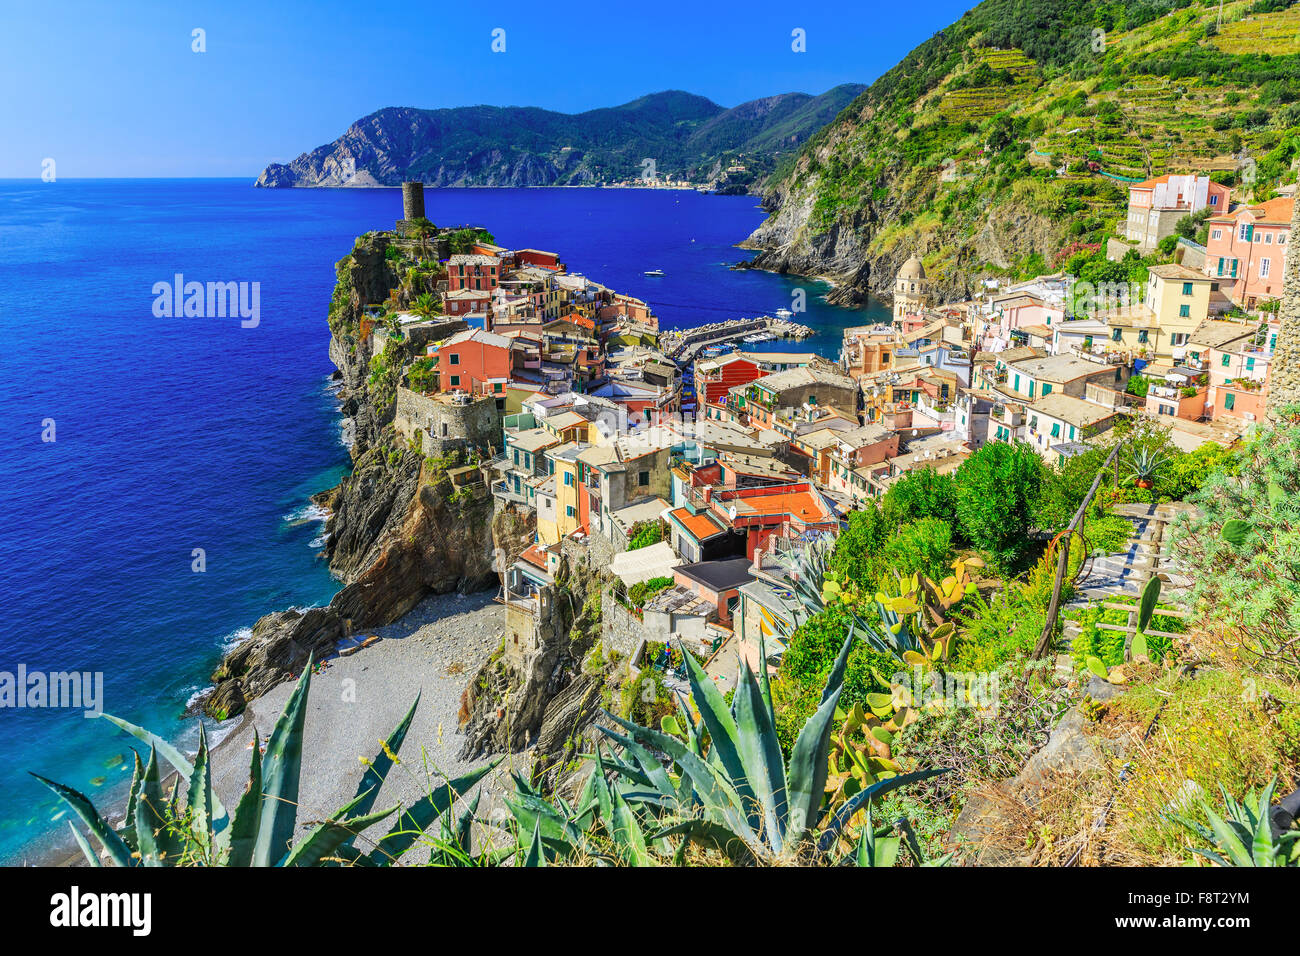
922 547
645 534
923 493
997 491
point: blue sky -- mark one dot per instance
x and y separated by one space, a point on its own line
114 88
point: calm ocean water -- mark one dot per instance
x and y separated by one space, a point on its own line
176 434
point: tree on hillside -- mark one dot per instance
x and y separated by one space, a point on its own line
923 493
997 490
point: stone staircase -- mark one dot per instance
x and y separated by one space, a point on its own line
1125 573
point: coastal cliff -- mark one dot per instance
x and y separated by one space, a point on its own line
402 524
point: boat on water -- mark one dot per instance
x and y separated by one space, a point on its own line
656 273
784 313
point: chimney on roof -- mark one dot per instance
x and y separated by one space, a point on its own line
758 561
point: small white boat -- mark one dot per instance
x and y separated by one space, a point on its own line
784 313
656 273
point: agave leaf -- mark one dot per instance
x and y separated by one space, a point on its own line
877 851
535 857
1263 850
248 812
415 820
461 834
169 753
151 831
725 735
878 789
714 836
128 821
809 767
604 799
654 770
721 799
117 849
84 846
627 833
559 836
216 813
377 770
341 829
280 773
200 796
1229 842
761 756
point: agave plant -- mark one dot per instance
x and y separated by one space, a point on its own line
881 847
167 830
1143 464
1246 837
741 796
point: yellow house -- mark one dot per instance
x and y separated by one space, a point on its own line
1177 302
569 474
1180 300
566 426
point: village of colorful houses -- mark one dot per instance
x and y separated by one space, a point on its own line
613 434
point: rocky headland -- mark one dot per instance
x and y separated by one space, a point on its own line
398 529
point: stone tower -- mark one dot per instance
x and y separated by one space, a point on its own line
911 288
412 201
1284 370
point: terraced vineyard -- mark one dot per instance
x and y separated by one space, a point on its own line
980 102
1014 132
1276 33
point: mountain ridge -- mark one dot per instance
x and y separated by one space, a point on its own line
689 137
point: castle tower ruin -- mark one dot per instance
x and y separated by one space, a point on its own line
412 201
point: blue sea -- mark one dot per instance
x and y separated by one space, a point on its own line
135 442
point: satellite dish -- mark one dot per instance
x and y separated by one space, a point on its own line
913 432
732 512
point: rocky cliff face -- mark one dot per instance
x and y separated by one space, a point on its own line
542 696
398 530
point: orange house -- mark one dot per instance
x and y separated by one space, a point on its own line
469 360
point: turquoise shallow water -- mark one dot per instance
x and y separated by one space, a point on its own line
176 434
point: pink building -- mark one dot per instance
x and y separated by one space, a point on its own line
1245 250
1239 377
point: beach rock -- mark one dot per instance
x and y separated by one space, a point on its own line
226 700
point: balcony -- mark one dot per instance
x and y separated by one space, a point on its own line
501 489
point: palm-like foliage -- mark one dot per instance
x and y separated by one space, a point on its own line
425 306
1143 463
165 830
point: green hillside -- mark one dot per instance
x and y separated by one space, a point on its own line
955 151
